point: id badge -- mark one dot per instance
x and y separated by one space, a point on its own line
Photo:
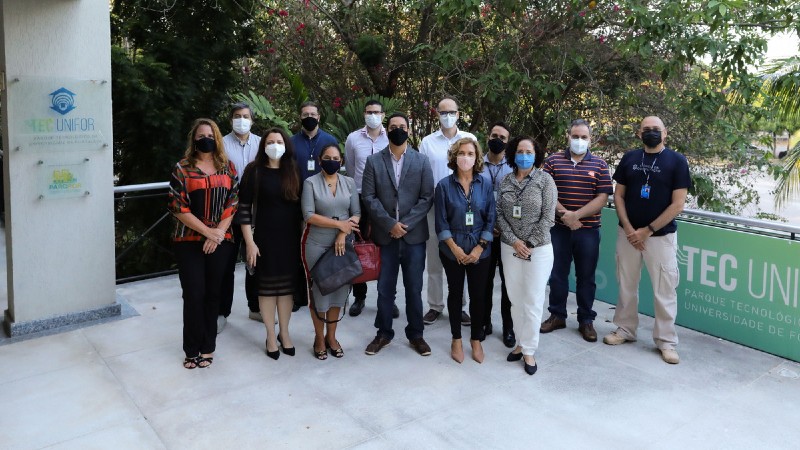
645 191
495 196
470 219
312 166
517 212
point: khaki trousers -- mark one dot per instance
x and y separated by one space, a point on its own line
660 258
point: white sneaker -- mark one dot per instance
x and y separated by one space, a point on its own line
221 321
670 356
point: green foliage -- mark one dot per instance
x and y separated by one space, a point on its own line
351 118
262 110
172 62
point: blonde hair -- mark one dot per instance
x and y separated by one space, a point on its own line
220 158
452 154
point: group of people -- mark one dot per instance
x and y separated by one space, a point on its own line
449 208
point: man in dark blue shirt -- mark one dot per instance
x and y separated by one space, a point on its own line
652 184
310 140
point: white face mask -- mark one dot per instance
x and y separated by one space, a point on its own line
465 163
578 146
275 151
448 121
373 120
242 125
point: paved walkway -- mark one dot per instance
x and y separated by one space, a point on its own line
121 385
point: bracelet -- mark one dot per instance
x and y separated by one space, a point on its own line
483 244
650 227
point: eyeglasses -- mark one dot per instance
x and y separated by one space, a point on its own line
448 113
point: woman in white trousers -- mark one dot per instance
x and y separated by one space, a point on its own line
526 208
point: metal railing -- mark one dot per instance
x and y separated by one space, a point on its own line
727 221
122 193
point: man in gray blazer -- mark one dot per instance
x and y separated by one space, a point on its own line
398 190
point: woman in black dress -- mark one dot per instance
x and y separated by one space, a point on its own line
269 213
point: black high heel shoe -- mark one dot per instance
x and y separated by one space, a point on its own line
274 355
286 350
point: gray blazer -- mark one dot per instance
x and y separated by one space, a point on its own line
414 198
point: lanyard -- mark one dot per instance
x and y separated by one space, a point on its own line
494 174
311 149
468 198
519 194
644 168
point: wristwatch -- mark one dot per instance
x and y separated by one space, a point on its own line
483 243
650 227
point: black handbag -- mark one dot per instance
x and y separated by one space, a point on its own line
331 272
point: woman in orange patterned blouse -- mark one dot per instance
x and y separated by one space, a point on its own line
203 197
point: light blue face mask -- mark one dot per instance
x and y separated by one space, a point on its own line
524 161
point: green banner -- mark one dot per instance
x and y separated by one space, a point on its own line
736 285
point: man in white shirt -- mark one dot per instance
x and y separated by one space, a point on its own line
241 147
435 146
361 144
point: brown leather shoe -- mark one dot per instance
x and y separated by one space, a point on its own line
553 323
420 346
376 345
588 332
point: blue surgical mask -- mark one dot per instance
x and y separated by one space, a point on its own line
524 161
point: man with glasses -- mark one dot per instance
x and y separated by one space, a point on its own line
360 145
495 169
241 147
652 184
435 146
310 140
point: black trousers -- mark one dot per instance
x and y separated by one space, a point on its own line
476 284
505 303
250 284
360 289
201 280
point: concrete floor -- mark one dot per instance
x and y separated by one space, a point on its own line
121 385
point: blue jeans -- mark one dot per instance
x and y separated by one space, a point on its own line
582 246
411 258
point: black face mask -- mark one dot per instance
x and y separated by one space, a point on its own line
496 146
330 166
651 138
398 136
205 145
309 123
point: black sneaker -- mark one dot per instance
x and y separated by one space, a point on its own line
395 311
465 319
431 316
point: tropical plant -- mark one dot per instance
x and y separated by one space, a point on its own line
262 109
351 117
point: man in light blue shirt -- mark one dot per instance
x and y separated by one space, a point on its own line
241 147
360 145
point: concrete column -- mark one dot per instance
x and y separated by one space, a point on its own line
55 59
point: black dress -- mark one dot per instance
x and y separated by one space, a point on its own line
277 230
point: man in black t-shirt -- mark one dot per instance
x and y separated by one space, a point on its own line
652 184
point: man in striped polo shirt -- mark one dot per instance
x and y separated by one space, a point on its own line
583 184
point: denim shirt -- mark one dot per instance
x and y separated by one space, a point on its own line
451 208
